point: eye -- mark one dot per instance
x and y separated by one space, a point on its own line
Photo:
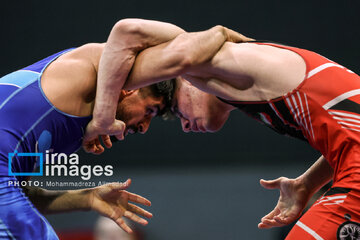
149 111
152 111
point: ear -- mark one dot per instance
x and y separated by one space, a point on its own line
126 93
129 92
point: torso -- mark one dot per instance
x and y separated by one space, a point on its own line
324 109
46 106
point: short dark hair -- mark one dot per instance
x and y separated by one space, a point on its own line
165 89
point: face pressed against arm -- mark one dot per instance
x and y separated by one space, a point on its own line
70 85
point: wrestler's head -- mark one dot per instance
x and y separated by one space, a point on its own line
137 107
198 111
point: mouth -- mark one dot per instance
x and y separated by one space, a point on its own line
202 129
198 127
194 127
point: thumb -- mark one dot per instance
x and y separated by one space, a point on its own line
270 184
119 125
118 129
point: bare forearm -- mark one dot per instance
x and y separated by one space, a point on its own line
317 175
126 39
49 202
176 57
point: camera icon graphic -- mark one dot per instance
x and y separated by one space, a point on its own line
38 155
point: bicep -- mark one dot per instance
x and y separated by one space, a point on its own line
230 67
155 64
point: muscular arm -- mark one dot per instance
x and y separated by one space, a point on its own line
109 200
181 55
126 39
48 202
240 72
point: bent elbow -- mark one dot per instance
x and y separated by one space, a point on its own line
128 26
129 31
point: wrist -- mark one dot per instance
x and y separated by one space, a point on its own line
83 199
302 184
100 123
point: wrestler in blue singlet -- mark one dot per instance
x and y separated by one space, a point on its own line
29 123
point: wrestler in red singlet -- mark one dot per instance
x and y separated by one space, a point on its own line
323 110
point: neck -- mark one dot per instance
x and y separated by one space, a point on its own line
225 106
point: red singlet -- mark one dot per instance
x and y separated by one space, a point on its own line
323 110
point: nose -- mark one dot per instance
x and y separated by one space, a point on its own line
185 125
144 126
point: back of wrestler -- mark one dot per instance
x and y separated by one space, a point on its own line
30 123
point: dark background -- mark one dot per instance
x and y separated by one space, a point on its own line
181 172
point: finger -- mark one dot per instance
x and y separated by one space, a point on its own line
91 148
120 125
120 137
271 214
120 186
106 140
263 226
283 220
123 225
88 145
270 184
138 199
135 218
271 223
139 211
98 144
99 150
86 148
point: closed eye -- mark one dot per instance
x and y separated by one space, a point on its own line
153 111
149 111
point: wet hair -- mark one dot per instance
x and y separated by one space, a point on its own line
165 89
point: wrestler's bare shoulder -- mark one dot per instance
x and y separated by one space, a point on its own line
272 71
70 81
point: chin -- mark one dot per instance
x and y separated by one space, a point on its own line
214 127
